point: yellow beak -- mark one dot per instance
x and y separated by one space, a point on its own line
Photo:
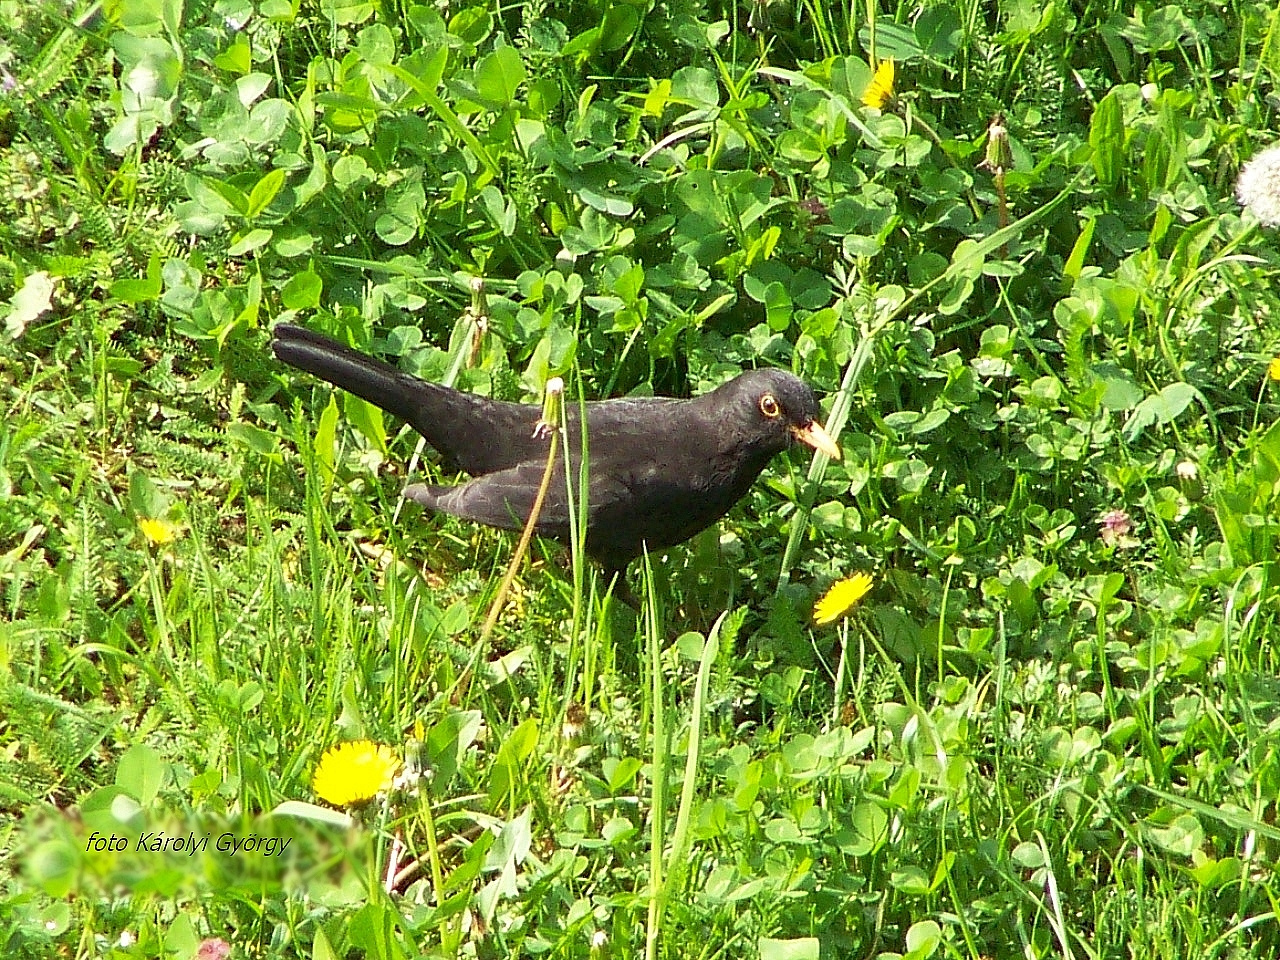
818 438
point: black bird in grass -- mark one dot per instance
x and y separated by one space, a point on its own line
659 470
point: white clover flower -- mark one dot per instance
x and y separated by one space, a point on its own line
1258 188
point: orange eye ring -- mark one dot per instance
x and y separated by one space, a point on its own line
769 406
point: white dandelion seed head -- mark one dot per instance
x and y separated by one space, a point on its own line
1258 188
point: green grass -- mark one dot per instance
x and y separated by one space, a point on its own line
1044 741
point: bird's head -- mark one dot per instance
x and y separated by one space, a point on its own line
776 408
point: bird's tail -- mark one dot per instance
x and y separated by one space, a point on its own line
367 377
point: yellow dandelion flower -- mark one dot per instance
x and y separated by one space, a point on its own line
1273 368
158 532
355 771
841 598
880 90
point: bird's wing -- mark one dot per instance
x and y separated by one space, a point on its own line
479 435
505 498
501 499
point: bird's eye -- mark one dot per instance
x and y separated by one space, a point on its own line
769 407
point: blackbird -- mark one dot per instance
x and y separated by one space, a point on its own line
659 470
